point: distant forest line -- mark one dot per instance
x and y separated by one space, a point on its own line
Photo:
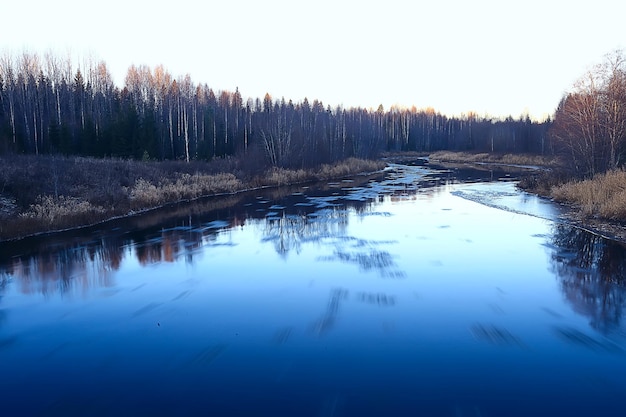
47 106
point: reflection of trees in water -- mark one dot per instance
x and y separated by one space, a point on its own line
4 281
379 299
328 226
86 259
328 319
366 255
91 263
169 246
337 297
371 259
288 231
66 270
592 271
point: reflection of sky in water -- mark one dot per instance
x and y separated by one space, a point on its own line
428 302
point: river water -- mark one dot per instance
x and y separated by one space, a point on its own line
422 291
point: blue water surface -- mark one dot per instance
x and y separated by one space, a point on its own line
410 294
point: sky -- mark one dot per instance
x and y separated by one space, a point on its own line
494 58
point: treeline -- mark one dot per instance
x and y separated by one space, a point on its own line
49 107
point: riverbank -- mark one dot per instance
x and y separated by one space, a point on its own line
597 205
40 194
508 159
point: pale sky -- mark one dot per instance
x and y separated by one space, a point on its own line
495 58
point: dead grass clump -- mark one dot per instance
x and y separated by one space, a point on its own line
218 183
188 186
281 176
144 194
62 211
449 156
350 166
604 196
494 158
529 160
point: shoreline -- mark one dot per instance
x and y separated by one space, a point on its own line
604 228
311 178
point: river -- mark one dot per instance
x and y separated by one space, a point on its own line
420 291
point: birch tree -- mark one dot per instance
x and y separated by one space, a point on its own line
613 97
8 73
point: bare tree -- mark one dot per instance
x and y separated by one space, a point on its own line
276 132
590 123
8 73
614 105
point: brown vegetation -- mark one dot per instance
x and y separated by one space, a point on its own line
589 133
603 196
40 194
495 158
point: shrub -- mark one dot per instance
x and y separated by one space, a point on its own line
144 194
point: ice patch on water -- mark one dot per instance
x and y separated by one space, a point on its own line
504 196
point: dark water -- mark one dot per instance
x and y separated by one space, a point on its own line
405 294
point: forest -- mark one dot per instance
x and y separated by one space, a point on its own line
76 148
49 106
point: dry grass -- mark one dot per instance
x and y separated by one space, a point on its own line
281 176
143 194
604 196
495 158
61 211
349 167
